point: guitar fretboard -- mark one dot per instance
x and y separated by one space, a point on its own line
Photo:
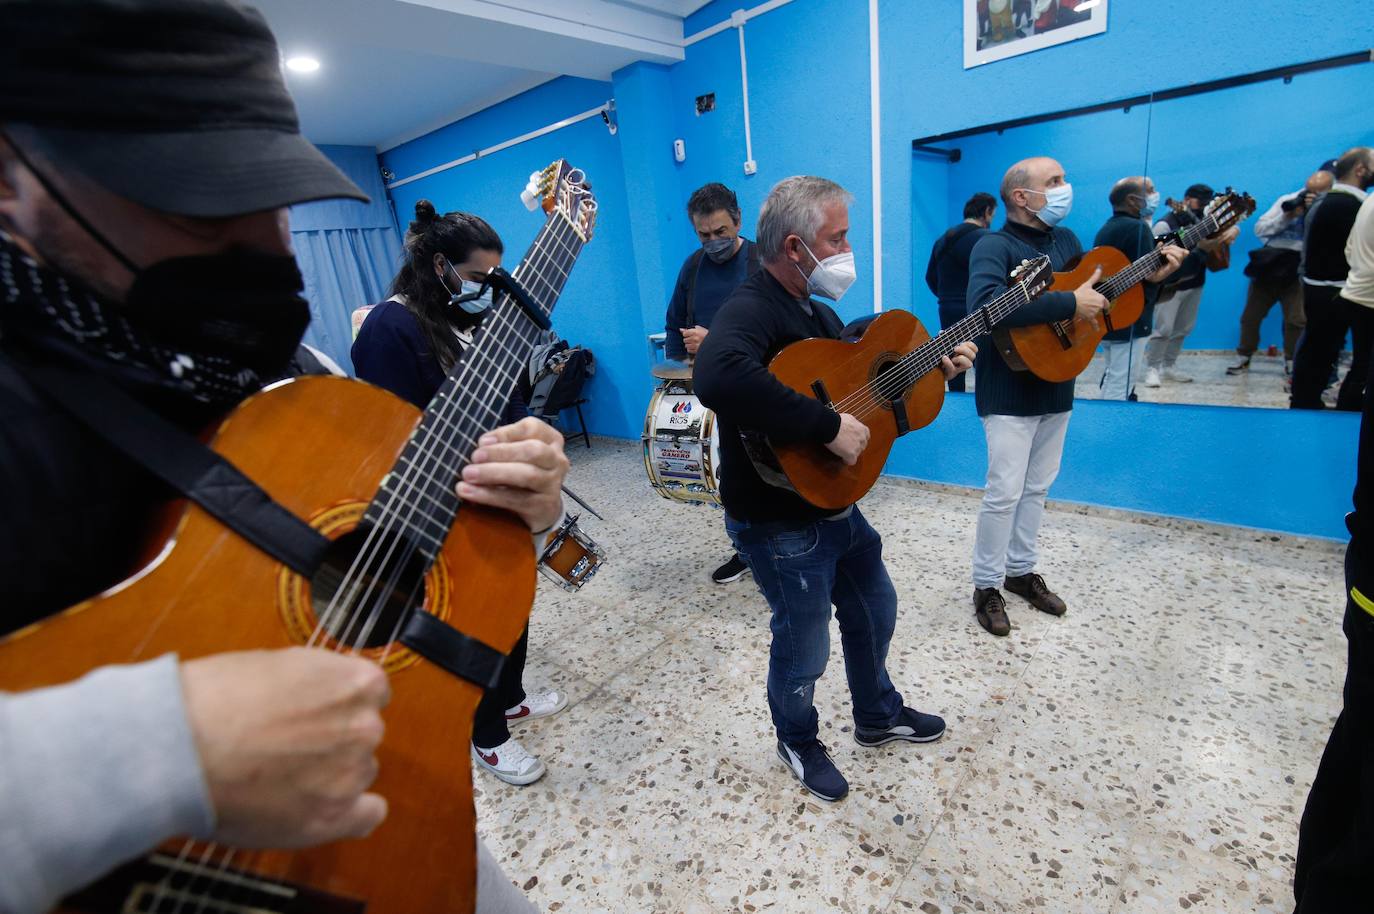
417 498
1116 285
926 357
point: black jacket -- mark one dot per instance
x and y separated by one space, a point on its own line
731 376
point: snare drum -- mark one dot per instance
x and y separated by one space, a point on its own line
682 445
570 557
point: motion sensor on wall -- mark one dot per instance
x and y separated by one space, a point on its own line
679 151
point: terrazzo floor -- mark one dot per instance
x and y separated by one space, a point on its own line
1261 386
1150 751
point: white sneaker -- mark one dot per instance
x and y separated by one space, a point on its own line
509 762
537 705
1178 377
1152 377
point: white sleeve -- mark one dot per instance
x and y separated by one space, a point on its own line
93 773
1274 218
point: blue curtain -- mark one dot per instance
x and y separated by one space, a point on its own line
347 250
344 269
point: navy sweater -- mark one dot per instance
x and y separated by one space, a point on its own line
1001 391
391 352
947 270
714 283
731 376
1132 237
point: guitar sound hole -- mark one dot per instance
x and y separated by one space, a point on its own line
890 382
366 586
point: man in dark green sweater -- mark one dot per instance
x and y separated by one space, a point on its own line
1024 417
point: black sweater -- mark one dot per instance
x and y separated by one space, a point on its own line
731 376
947 271
1328 228
1001 391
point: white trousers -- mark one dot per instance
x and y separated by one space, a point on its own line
1125 362
1023 459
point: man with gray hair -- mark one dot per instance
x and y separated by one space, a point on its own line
804 558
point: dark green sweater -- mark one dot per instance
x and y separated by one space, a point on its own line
1131 236
999 390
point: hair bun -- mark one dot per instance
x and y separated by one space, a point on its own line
424 212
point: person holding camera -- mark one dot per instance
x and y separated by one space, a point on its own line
1273 272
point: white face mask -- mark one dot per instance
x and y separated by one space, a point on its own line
833 276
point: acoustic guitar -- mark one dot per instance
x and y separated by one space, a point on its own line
1059 351
376 477
889 379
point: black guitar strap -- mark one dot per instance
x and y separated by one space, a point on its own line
183 462
208 479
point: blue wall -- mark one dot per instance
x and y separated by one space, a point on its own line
599 306
809 97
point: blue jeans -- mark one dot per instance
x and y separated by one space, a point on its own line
803 570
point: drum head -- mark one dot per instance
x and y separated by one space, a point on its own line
671 371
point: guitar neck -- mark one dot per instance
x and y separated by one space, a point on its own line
927 356
1115 286
417 496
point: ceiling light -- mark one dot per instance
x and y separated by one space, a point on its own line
303 64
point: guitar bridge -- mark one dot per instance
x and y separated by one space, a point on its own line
1063 334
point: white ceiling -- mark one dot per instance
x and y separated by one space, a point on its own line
392 70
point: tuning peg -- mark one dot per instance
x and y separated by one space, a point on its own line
530 197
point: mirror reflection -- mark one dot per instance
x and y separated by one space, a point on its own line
1251 164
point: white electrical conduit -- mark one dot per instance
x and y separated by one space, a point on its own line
524 137
875 147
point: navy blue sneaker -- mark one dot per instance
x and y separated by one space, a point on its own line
911 725
812 766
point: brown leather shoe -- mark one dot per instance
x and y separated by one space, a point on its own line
991 610
1032 589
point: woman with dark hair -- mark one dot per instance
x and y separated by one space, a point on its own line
408 344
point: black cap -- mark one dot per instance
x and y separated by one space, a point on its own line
1200 192
175 104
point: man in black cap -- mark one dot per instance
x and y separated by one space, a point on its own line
148 149
1176 311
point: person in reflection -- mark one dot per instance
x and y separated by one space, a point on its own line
144 242
1024 418
707 277
1336 835
805 559
1273 272
408 344
947 269
1324 269
1176 312
1133 203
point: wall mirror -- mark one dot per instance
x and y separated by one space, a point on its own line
1261 133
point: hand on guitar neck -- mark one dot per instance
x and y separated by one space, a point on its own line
521 468
1088 302
1173 258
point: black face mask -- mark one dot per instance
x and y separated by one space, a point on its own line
242 307
211 328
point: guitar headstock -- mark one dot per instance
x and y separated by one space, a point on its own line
561 188
1035 276
1230 207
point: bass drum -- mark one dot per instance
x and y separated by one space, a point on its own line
682 445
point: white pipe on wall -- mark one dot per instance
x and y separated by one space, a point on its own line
515 141
875 144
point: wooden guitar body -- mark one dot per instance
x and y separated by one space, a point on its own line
320 446
846 370
1062 350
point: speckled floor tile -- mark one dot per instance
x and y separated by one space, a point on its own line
1149 751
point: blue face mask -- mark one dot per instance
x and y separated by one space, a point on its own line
1058 202
476 305
719 249
1151 204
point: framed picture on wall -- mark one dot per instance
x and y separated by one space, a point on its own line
997 29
